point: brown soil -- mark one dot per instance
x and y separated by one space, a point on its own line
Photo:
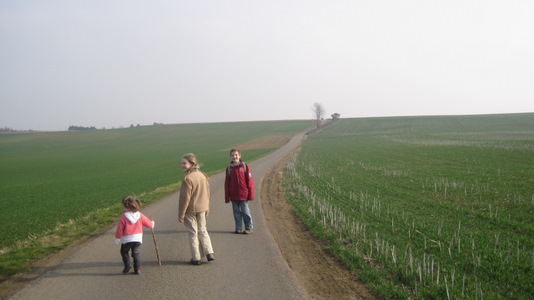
320 274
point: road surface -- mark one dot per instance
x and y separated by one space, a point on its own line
246 266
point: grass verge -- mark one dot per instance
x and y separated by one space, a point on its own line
22 256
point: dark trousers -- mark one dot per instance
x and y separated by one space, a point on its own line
125 249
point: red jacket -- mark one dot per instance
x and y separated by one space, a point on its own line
238 184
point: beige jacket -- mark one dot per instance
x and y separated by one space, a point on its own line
194 194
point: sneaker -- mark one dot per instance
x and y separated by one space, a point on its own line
137 272
126 268
195 262
248 231
210 257
238 231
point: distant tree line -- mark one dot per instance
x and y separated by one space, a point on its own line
72 127
7 129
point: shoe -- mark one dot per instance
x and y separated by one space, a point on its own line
238 231
195 262
137 272
248 231
210 257
126 268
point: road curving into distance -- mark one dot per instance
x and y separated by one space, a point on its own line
246 266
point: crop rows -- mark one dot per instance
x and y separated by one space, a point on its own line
422 220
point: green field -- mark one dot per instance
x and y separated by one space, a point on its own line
49 179
424 207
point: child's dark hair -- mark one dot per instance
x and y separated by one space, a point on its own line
131 203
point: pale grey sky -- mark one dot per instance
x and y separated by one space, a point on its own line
115 63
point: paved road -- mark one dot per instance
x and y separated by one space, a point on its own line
246 266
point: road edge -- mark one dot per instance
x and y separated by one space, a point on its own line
319 273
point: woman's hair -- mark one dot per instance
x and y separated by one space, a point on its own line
191 158
131 203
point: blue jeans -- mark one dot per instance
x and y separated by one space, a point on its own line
242 214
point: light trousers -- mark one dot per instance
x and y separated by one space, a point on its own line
198 234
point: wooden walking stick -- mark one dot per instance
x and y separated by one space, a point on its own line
156 245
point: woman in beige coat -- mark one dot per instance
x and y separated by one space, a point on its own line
193 208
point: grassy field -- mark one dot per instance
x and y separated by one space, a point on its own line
424 207
52 182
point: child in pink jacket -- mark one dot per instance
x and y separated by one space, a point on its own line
130 228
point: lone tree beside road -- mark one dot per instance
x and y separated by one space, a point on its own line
318 112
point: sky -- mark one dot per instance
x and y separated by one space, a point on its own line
109 64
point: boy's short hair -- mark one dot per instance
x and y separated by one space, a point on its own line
235 150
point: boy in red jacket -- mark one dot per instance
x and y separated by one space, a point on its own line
130 228
239 189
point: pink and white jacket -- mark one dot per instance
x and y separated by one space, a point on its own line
130 227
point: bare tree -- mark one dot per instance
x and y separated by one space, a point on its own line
318 112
